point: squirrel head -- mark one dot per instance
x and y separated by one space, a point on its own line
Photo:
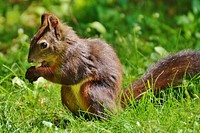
49 41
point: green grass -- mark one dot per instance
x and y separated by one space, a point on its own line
140 38
27 108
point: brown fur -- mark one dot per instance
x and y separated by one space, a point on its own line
169 71
70 60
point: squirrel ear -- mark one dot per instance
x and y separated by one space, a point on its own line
52 22
44 22
49 20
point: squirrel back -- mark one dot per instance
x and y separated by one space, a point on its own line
90 72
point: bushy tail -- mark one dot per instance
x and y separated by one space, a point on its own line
168 71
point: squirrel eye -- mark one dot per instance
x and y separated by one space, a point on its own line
43 45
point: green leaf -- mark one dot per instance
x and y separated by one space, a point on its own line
161 51
98 26
196 6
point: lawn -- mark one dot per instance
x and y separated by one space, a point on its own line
141 33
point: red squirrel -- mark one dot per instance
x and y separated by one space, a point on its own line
90 71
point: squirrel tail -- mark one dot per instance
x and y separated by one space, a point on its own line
168 71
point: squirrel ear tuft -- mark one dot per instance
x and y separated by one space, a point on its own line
44 18
52 22
49 20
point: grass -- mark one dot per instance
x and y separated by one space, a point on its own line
140 40
34 108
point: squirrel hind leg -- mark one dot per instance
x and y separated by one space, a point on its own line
103 101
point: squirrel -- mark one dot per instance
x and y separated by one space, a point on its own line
90 71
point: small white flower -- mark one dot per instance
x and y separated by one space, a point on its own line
19 82
138 124
47 123
20 31
137 28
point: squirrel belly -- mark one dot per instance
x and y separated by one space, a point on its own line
90 71
75 97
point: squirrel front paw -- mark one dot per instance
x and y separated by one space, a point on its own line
32 74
